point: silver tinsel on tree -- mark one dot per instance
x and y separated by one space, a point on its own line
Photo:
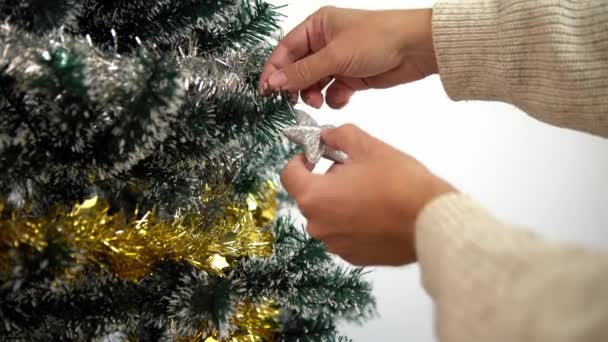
137 175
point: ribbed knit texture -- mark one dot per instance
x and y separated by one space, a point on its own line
547 57
492 282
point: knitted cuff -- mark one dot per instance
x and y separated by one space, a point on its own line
467 47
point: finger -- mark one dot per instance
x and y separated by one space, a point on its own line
297 176
332 247
333 241
404 73
348 138
338 94
293 98
315 231
355 259
306 38
306 71
313 95
339 245
292 47
336 167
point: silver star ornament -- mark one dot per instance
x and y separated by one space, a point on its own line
307 133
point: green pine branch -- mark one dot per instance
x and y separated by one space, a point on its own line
254 22
321 287
144 103
87 113
153 23
37 15
174 299
295 328
90 308
199 26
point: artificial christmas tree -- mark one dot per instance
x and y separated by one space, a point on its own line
139 198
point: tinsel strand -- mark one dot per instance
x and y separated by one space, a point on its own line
129 248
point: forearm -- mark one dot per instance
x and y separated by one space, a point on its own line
493 282
547 57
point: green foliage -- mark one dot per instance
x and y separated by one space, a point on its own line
296 328
320 287
161 22
205 25
143 103
37 15
254 22
126 119
312 298
81 311
74 117
201 298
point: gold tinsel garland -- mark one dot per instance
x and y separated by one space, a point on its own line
254 323
129 248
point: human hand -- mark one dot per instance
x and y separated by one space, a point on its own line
353 50
364 210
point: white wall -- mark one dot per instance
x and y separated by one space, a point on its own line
553 180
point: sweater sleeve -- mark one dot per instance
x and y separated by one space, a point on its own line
494 282
491 281
547 57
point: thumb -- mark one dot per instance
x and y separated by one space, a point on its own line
348 138
297 176
305 72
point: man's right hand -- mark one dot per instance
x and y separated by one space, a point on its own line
353 50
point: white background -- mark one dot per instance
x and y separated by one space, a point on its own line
526 172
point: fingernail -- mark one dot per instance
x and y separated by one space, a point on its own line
264 88
341 105
293 97
310 100
317 104
277 80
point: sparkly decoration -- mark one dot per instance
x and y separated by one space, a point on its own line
219 262
307 133
130 248
253 323
256 323
264 205
133 148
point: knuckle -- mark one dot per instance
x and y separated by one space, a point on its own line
333 53
349 129
306 202
356 262
352 258
325 10
302 70
332 248
315 232
340 54
285 177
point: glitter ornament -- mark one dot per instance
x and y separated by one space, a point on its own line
307 133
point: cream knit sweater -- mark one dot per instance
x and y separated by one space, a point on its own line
492 282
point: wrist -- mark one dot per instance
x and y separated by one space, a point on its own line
428 41
418 44
435 188
438 189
